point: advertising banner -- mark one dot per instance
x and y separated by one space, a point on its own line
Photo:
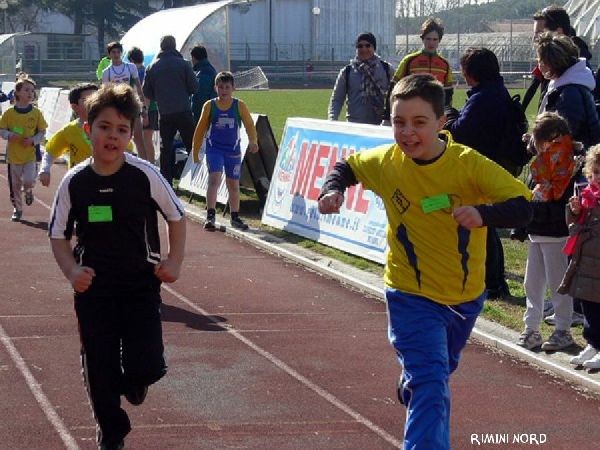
308 151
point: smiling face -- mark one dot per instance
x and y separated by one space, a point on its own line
416 128
110 133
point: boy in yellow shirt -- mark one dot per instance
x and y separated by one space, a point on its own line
439 196
220 122
24 127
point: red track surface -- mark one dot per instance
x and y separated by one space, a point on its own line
262 354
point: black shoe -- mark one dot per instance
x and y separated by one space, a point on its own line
209 225
501 294
16 215
117 446
518 234
238 223
136 395
28 197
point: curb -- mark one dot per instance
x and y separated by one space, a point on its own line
486 332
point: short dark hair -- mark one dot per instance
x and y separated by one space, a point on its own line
549 126
119 96
432 24
135 55
558 52
555 17
78 89
168 42
224 77
480 64
112 45
199 52
423 86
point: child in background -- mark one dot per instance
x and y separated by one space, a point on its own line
439 196
553 167
220 121
582 277
24 127
71 139
111 202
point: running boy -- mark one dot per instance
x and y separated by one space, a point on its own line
24 127
439 196
220 121
583 274
111 202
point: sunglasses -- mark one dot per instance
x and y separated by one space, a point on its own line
363 45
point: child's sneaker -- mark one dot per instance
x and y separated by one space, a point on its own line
548 308
16 215
209 225
593 363
586 354
238 223
558 340
530 339
28 197
577 319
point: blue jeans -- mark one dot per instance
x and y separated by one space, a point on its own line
428 338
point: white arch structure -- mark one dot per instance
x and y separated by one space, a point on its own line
585 18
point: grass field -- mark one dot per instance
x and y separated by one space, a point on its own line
278 105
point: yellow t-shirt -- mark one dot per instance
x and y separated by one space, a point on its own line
25 124
429 254
74 142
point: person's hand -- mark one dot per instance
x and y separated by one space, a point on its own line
44 178
81 278
468 217
14 137
526 137
252 147
331 202
575 205
167 270
27 141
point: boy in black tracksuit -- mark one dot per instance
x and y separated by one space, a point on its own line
109 202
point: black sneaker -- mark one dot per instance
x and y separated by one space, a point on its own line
136 395
28 197
209 225
238 223
117 446
16 215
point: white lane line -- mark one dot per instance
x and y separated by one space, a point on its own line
37 392
293 373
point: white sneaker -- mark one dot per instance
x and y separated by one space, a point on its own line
586 354
530 339
558 340
593 363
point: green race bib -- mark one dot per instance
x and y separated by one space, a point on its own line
435 203
18 130
100 213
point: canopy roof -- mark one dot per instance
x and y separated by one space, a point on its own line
585 18
205 23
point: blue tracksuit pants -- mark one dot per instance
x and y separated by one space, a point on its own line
428 338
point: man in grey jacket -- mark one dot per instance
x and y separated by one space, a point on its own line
171 81
365 82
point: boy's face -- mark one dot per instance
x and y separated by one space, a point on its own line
224 90
115 55
416 128
26 95
110 133
79 108
431 41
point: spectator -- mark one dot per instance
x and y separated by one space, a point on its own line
426 60
171 81
205 73
120 71
479 126
434 272
556 20
362 84
136 56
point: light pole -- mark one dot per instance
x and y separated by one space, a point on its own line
4 7
316 12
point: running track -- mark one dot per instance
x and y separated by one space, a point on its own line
263 354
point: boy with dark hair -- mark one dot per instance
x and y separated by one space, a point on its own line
220 123
439 196
205 73
111 202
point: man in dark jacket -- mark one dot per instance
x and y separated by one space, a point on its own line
205 73
171 81
480 125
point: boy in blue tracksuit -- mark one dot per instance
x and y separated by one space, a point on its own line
439 198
